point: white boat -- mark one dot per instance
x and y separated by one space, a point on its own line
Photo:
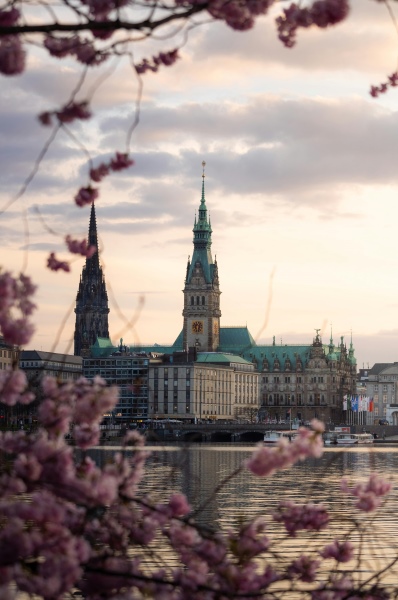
271 437
348 439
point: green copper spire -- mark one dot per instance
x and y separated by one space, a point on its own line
202 239
351 351
202 229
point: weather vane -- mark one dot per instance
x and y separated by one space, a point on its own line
203 165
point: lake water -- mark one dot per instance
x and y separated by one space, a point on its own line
203 473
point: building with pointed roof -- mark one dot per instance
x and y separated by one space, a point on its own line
201 326
291 381
92 299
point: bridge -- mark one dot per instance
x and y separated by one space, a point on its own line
212 432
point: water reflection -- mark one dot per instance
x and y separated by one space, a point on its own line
198 470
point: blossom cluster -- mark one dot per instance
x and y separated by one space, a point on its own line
67 114
163 58
307 443
80 247
105 17
295 517
392 81
16 297
322 13
119 162
370 494
82 49
89 530
57 265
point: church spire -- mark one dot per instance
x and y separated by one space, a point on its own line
92 299
92 263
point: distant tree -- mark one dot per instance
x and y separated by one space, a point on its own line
249 413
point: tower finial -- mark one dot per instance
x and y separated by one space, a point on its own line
203 182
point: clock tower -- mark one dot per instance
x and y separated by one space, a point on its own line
202 291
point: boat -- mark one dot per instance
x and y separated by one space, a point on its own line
271 437
349 439
330 438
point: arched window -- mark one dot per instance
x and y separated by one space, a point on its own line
192 300
203 300
197 300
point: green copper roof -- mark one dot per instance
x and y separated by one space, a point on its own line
278 354
221 358
202 242
102 343
235 339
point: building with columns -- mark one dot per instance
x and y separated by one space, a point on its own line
297 381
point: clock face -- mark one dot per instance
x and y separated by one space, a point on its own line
197 327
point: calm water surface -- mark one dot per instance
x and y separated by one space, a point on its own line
202 472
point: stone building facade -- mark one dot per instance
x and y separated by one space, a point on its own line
309 384
299 381
382 386
211 386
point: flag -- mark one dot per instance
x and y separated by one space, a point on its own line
370 404
345 402
348 402
354 403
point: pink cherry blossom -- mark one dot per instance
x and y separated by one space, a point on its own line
86 195
340 551
80 247
251 540
16 331
98 173
57 265
304 568
120 162
73 111
266 461
163 58
321 13
370 494
15 297
9 17
12 55
312 517
86 435
13 384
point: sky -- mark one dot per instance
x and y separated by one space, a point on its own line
301 184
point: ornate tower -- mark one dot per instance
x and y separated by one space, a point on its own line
91 300
202 291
